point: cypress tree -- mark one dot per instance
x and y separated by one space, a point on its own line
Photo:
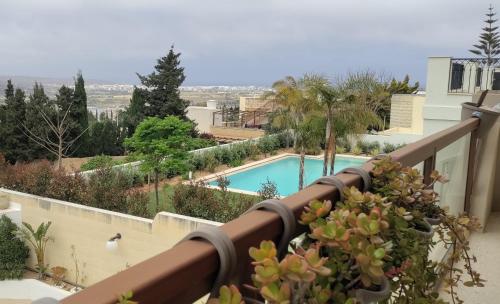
80 116
15 146
135 112
163 95
489 41
38 101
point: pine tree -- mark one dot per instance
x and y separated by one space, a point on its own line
489 41
80 116
38 101
163 95
15 145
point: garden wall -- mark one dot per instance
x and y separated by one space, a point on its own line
87 229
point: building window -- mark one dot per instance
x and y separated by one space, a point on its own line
479 75
457 76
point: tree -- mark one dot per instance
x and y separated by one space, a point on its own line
489 41
38 239
297 111
402 87
309 132
163 96
14 144
135 112
79 115
345 113
105 135
57 139
37 100
163 143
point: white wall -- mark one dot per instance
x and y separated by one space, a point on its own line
441 109
203 116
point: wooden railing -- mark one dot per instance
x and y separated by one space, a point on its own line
186 272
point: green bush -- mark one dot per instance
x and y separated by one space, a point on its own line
267 144
210 160
13 252
344 143
341 149
388 147
196 200
356 150
99 161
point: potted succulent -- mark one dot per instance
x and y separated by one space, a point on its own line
369 248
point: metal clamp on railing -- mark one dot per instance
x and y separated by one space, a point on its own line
333 181
226 250
367 179
288 218
477 114
379 156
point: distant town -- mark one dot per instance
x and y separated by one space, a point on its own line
105 96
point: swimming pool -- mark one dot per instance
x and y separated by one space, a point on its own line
285 173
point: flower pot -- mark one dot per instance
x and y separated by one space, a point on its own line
434 221
365 296
426 232
4 202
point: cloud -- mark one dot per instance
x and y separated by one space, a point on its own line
233 42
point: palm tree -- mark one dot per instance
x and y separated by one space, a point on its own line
38 239
346 114
296 112
309 135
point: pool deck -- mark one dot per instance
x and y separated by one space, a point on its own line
214 176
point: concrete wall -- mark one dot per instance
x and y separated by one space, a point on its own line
203 116
395 138
237 133
406 112
87 230
441 109
255 104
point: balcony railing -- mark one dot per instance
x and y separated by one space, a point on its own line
186 272
470 75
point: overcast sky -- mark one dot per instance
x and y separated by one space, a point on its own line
246 42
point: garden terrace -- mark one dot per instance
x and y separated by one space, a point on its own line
186 272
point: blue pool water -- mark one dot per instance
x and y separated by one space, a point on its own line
285 173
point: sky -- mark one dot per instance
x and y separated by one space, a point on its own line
233 42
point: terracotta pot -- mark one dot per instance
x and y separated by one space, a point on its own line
434 221
365 296
427 231
4 202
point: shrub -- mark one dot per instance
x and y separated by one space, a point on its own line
375 152
99 161
345 143
388 147
340 149
13 252
268 190
137 203
267 144
107 189
196 200
363 146
236 162
72 188
210 160
197 161
356 150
